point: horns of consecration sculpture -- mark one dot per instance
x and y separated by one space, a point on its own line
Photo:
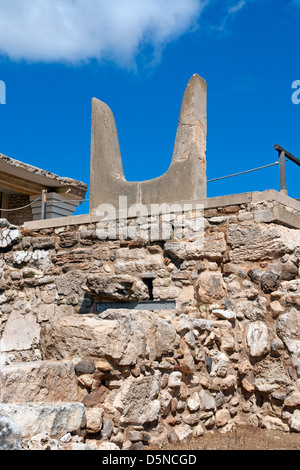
185 179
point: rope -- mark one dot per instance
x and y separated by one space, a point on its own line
243 172
33 202
20 208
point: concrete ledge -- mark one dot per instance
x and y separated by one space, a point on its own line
272 195
285 217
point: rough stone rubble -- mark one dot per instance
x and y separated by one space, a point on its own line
228 355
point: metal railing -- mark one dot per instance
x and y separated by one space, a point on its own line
284 155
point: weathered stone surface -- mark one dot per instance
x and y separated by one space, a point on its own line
34 419
270 375
193 402
225 315
270 282
138 400
210 287
8 237
117 287
39 259
222 418
43 243
175 380
70 283
38 382
288 330
85 367
108 446
137 260
183 432
78 255
211 247
94 420
295 422
207 401
96 397
257 242
10 435
122 338
270 422
42 442
20 332
293 400
107 176
258 339
220 364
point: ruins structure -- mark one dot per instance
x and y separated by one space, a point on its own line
122 342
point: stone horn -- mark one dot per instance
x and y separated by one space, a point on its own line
185 179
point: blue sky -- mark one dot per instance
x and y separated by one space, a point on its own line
138 56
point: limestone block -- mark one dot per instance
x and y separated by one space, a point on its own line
258 340
38 382
20 332
288 330
117 287
123 338
8 237
137 260
209 288
56 420
260 242
211 247
270 375
138 401
94 420
39 259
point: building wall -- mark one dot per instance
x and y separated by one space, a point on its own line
228 354
18 217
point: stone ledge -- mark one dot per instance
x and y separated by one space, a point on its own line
34 418
43 381
209 203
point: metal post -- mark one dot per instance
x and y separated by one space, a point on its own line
44 205
283 186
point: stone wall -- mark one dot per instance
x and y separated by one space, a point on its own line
18 217
227 355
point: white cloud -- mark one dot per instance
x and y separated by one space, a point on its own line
75 30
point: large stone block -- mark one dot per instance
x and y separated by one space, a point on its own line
55 420
259 242
20 332
123 336
38 382
138 401
117 287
